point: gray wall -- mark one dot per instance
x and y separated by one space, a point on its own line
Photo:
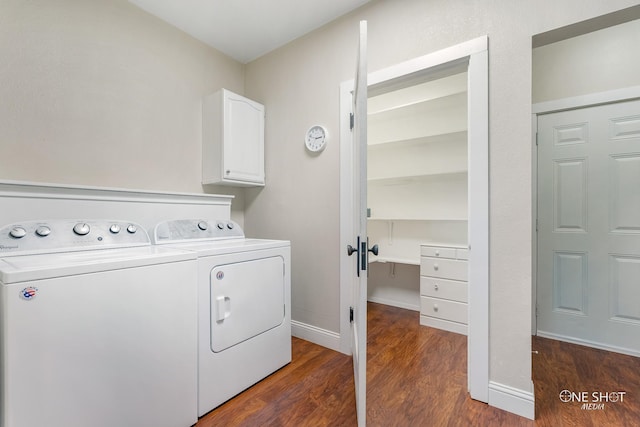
100 93
299 84
594 62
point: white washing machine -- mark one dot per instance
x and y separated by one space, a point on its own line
244 293
98 327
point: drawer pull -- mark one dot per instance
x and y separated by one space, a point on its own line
435 266
437 253
435 286
435 307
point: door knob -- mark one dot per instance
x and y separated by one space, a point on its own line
374 250
351 250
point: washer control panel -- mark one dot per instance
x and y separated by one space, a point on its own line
69 235
188 230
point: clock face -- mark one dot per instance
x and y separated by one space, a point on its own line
316 138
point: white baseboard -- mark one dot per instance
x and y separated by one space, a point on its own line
394 303
572 340
512 400
316 335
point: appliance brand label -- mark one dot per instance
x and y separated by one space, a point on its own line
28 293
220 275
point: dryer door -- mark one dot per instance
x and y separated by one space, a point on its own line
247 299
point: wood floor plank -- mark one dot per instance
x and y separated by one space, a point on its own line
417 376
562 366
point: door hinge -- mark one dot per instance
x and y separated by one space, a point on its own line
536 225
536 139
350 314
351 121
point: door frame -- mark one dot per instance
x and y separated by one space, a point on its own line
555 106
475 53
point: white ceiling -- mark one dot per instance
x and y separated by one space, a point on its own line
247 29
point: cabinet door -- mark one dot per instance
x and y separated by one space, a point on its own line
243 150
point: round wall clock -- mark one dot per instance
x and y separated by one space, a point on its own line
316 138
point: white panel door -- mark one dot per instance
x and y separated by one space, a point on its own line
359 301
589 226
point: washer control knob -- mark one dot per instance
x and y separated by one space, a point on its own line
43 231
18 232
131 228
202 225
115 228
230 225
81 229
220 226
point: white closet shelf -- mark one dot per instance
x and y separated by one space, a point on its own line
458 135
455 98
415 179
417 91
421 219
410 133
433 117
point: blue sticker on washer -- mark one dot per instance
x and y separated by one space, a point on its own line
220 275
28 293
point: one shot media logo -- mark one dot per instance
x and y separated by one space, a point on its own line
592 400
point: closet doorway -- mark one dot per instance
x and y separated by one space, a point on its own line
417 195
587 200
469 59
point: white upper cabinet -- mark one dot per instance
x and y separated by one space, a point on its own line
232 140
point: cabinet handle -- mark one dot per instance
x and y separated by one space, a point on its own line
227 172
437 253
435 307
435 266
435 286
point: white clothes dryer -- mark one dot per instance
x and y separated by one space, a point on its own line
244 293
98 327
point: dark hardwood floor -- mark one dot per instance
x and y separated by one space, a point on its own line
417 377
560 366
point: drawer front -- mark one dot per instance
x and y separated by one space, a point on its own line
444 309
434 251
443 268
462 253
443 288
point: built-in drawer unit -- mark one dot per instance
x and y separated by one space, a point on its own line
444 309
444 287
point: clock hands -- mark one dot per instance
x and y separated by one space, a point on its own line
316 138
